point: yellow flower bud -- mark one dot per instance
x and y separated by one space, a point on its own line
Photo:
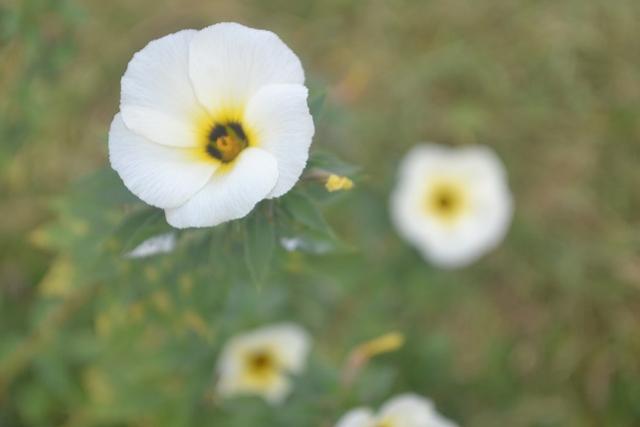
337 183
384 344
361 355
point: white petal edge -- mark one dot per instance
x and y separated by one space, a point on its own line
408 410
160 244
359 417
229 194
157 98
274 393
280 120
229 62
278 391
161 176
412 410
291 343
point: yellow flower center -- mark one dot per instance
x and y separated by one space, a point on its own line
384 423
261 366
223 133
446 200
226 140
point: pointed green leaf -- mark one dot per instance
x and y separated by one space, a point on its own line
138 227
259 245
303 210
330 163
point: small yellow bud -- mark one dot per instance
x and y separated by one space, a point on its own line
361 355
337 183
384 344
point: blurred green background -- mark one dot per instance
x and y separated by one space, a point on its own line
544 331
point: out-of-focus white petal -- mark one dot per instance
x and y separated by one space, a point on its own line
279 117
160 244
231 193
360 417
229 62
278 391
407 410
161 176
157 99
410 410
291 344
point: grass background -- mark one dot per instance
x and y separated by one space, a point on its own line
541 332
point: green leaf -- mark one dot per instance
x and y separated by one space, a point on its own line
138 227
303 210
330 163
259 245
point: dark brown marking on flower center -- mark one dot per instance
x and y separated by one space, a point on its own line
226 141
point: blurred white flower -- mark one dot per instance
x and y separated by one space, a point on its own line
211 122
454 205
407 410
261 362
160 244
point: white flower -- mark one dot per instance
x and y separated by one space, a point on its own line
160 244
454 205
211 122
261 362
407 410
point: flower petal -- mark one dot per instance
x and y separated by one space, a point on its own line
291 344
157 99
408 410
231 193
229 62
279 117
411 410
360 417
161 176
278 391
159 244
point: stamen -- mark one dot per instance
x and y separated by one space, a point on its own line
261 364
226 141
446 201
237 128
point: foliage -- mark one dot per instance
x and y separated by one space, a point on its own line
542 332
